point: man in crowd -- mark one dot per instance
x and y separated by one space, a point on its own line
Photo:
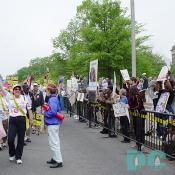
30 99
38 102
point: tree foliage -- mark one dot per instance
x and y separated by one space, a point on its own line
101 30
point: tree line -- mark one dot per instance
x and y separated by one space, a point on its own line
100 30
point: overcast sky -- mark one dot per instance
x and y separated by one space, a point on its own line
27 26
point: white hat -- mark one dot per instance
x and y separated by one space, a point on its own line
17 85
35 84
144 74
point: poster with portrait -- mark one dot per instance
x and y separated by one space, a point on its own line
80 97
163 74
120 109
93 75
125 74
161 105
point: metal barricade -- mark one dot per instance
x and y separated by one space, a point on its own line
151 129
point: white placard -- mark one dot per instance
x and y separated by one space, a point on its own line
69 87
74 84
161 105
125 74
120 109
93 75
69 84
72 98
163 74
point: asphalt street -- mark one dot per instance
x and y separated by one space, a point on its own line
85 152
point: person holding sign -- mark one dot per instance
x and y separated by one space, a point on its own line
124 120
165 99
136 107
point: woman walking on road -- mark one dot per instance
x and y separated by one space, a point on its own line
17 124
53 123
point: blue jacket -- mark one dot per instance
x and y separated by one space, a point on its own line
49 116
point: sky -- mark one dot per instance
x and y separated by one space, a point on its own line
28 26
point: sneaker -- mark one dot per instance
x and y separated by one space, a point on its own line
4 145
57 165
52 161
19 161
28 140
0 147
12 158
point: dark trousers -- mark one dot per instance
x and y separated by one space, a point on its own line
111 123
140 131
125 127
17 126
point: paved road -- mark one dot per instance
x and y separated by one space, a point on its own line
85 152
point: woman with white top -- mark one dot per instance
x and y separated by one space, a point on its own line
17 124
3 115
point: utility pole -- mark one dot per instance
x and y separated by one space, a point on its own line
133 38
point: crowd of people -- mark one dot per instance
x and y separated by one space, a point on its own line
22 112
134 93
25 110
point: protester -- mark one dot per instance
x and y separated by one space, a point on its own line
111 118
3 116
136 106
18 107
31 108
124 121
53 124
153 92
38 102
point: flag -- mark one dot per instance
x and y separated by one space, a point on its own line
114 85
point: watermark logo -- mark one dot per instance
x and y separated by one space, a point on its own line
137 160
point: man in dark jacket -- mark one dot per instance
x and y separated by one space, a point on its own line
30 99
38 102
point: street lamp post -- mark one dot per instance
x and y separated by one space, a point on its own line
133 38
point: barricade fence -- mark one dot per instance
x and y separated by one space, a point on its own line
151 129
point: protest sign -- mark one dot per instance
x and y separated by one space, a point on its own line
125 74
120 109
163 74
93 75
161 105
80 97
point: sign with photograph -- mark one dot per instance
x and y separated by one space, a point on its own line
80 97
163 74
93 75
161 105
125 74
